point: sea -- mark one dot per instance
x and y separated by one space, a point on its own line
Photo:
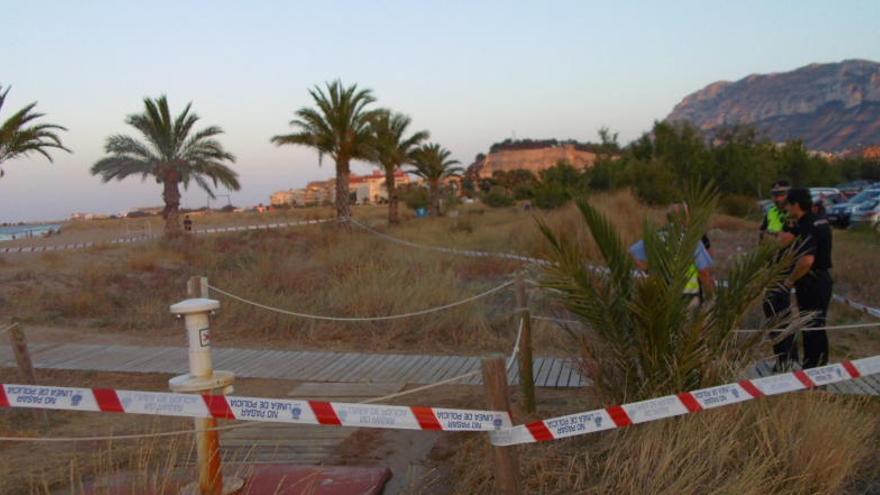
8 232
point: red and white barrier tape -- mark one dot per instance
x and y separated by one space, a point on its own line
497 423
875 312
684 403
307 412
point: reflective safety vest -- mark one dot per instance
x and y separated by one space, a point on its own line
692 288
693 284
775 220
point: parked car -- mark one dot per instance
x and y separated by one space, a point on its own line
818 192
839 215
866 214
852 188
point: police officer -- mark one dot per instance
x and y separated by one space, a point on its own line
811 277
701 283
777 301
774 220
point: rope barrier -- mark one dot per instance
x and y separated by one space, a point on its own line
812 329
364 318
448 250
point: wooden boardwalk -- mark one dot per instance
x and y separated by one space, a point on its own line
341 367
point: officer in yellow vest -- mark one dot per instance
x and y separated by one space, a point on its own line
701 283
777 301
774 220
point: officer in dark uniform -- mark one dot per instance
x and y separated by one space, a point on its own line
811 277
777 301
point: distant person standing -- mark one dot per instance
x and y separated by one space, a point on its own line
811 277
700 284
187 224
777 301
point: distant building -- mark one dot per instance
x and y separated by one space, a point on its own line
365 188
88 216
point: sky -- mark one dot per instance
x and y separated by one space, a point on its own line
471 73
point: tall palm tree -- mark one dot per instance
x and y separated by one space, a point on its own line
392 150
432 163
338 127
20 136
173 153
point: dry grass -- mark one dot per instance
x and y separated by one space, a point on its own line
797 444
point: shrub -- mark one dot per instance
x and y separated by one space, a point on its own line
738 205
644 338
655 185
415 197
498 197
550 195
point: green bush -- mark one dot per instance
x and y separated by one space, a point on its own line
498 197
738 205
656 185
550 195
414 196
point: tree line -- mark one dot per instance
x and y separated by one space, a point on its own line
343 124
661 163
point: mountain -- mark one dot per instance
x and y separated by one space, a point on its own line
831 107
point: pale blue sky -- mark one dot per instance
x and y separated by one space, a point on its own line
470 72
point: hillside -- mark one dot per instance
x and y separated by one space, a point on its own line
533 155
831 107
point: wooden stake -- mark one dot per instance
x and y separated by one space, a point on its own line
23 360
22 354
526 366
506 465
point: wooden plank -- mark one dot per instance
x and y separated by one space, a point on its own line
329 390
553 376
405 365
429 373
413 368
541 375
327 364
304 362
151 355
340 364
358 370
866 385
294 361
874 381
240 359
275 362
72 355
257 364
454 368
388 367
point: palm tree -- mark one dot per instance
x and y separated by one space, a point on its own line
392 150
19 139
432 163
173 153
338 127
641 337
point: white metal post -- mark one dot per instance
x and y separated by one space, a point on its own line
203 379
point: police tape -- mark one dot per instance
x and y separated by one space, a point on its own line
149 237
497 423
875 312
669 406
304 412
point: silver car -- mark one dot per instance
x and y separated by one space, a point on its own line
866 214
